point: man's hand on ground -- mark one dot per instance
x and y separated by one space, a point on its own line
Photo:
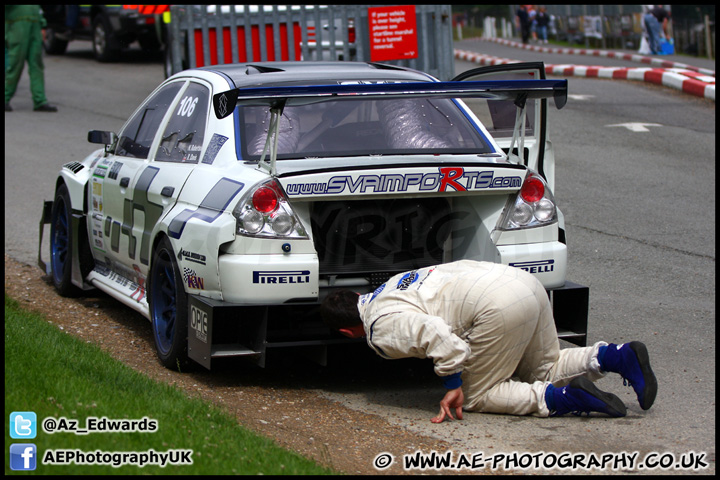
453 399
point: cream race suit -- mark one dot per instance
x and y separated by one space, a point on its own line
489 321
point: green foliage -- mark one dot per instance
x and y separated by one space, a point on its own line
56 375
693 12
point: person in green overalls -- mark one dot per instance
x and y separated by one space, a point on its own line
23 41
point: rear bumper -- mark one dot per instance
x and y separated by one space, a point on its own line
570 305
547 261
218 329
268 279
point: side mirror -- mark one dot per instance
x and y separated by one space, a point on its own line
103 138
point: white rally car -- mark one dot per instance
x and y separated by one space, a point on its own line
236 196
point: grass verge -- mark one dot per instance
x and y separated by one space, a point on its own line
56 375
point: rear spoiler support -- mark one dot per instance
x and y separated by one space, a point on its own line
271 142
520 115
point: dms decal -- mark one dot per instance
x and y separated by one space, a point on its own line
298 276
540 266
447 179
191 257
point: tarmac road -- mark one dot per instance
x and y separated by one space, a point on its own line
640 214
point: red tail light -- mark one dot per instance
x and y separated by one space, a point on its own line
532 190
265 200
266 212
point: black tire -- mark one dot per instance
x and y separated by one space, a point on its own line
101 41
167 62
168 307
61 244
52 44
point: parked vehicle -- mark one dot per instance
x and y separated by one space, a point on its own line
236 196
110 28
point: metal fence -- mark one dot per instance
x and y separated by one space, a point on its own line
212 34
617 26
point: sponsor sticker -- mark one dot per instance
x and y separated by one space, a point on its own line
199 323
446 179
281 277
539 266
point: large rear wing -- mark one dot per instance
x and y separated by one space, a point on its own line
277 98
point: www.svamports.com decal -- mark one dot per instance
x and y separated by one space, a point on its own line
446 179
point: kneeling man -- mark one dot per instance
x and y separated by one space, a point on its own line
490 332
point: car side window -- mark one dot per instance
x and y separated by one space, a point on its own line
137 136
183 137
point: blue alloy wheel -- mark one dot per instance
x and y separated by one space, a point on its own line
168 307
61 243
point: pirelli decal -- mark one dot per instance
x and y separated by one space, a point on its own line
539 266
275 278
446 179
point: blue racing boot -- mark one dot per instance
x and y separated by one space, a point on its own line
631 360
581 395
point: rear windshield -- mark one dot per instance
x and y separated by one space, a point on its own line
363 127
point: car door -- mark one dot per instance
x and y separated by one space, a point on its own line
499 116
114 225
137 184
